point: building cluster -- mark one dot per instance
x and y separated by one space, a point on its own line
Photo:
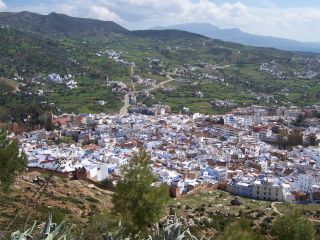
191 153
67 79
118 87
274 68
145 81
115 56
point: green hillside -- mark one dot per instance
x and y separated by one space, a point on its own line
94 53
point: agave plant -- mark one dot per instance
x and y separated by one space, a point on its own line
50 231
172 231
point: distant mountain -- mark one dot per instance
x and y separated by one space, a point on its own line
237 36
55 23
166 34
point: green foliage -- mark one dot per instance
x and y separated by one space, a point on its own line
23 51
98 226
293 226
107 183
66 140
99 230
312 140
240 230
138 202
286 140
50 231
300 121
34 54
11 161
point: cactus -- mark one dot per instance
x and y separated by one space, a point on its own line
51 231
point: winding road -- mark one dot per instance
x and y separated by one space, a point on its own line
124 109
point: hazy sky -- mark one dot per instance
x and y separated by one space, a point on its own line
296 19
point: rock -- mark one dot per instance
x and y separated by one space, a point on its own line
236 202
38 180
190 222
28 189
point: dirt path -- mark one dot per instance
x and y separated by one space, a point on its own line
275 209
204 42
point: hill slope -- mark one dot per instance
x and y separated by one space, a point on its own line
99 59
237 36
55 23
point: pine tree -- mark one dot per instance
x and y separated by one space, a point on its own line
11 161
138 203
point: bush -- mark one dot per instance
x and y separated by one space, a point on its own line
240 230
293 226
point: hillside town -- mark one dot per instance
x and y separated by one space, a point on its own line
256 152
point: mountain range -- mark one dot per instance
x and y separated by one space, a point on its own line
238 36
61 24
55 23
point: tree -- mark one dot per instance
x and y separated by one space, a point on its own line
138 203
312 139
295 138
286 140
11 161
293 226
240 230
275 129
300 121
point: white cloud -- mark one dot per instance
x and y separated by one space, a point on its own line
267 19
2 5
102 13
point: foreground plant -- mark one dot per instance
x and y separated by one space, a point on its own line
135 200
171 231
11 161
50 231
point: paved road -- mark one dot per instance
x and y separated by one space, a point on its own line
126 105
222 67
161 84
123 111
